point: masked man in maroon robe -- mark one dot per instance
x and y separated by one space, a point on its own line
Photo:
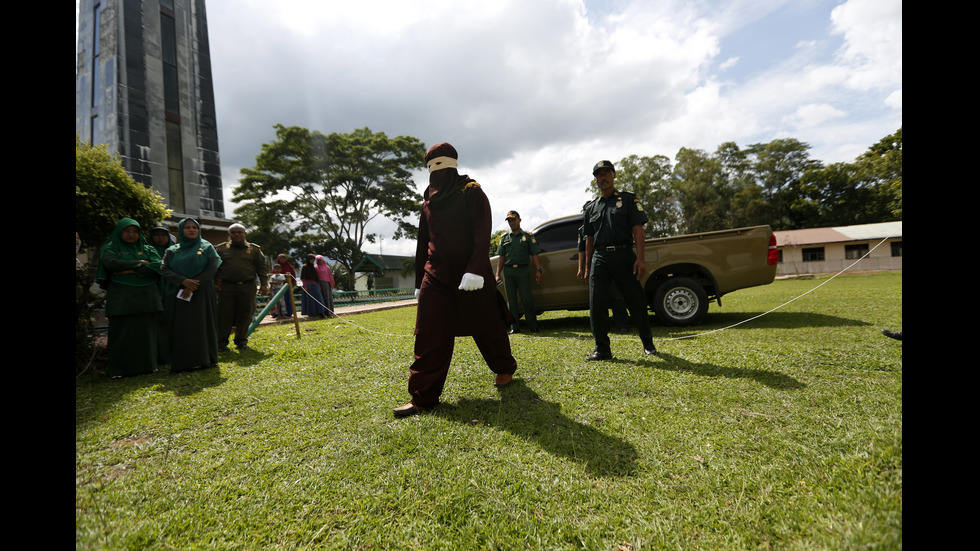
454 283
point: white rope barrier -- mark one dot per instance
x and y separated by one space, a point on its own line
706 333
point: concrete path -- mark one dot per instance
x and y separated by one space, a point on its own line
343 311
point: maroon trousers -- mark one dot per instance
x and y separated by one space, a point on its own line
433 353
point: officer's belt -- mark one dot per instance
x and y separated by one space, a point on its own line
609 248
515 265
237 282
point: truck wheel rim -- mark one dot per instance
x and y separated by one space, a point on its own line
681 303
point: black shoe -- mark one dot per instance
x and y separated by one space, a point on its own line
598 356
897 335
513 331
649 349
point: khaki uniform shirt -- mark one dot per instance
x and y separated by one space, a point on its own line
241 263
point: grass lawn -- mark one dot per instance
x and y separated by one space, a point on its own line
784 432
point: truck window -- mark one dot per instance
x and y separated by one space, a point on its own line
557 237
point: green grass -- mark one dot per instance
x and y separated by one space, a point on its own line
784 432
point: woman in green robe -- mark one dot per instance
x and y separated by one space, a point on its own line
192 308
129 268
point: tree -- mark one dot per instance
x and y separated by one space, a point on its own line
321 191
881 167
745 203
495 242
831 196
699 181
778 167
408 266
104 194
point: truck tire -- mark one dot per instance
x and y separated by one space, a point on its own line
680 302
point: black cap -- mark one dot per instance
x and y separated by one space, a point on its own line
603 164
512 214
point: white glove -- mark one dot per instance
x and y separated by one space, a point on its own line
471 282
416 293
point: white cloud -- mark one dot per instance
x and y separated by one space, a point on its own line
808 116
872 30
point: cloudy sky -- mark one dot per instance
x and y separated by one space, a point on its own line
533 92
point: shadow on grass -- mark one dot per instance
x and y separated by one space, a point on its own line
784 320
523 413
186 383
772 379
574 325
243 358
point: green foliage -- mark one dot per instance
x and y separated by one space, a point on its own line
881 168
495 242
408 266
778 167
699 181
84 344
774 183
104 193
785 432
315 191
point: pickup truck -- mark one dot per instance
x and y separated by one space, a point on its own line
684 273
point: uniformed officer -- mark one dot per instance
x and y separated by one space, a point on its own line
613 224
241 263
516 251
621 318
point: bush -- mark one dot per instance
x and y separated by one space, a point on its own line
84 328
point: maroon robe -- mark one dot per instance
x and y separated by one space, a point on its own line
454 239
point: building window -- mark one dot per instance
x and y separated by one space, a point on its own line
175 166
855 252
813 254
171 106
95 71
168 39
896 248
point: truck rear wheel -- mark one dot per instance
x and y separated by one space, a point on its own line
680 301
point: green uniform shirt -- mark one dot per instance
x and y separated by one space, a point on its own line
517 248
610 221
241 263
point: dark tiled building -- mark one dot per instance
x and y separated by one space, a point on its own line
143 87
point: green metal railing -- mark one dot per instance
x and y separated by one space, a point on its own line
347 298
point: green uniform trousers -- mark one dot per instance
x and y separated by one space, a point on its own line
236 304
517 282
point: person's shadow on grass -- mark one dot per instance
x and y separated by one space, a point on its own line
523 413
772 379
192 381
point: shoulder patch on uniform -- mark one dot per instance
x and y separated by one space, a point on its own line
472 184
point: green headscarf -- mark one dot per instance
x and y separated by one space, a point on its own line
140 250
190 256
